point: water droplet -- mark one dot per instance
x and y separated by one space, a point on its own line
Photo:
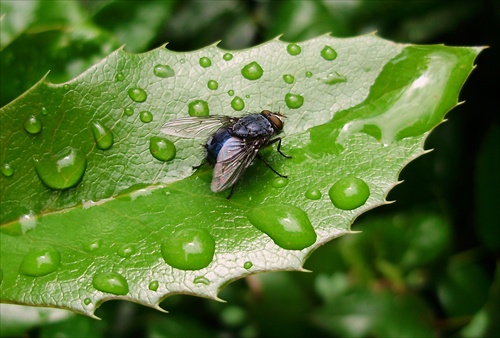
349 193
247 96
313 194
279 182
237 103
126 250
137 94
63 170
293 49
161 148
44 111
92 245
309 74
205 62
201 280
198 108
288 226
188 249
212 85
66 87
120 76
87 301
7 169
227 57
294 101
248 265
128 111
28 222
288 78
153 285
163 71
252 71
110 282
33 125
328 53
230 92
102 135
146 116
334 78
40 262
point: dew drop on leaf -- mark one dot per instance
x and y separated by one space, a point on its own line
230 92
33 125
188 249
198 108
294 101
313 194
349 193
91 246
153 285
163 71
248 265
44 111
288 226
288 78
212 85
28 222
146 116
40 262
293 49
126 250
252 71
62 170
66 87
161 148
205 62
227 56
237 103
102 135
128 111
201 280
87 301
309 74
137 94
334 78
279 182
7 170
119 76
328 53
110 282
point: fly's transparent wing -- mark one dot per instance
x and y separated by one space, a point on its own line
234 157
196 126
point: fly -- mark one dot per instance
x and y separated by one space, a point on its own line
233 144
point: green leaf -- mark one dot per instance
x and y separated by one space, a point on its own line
357 111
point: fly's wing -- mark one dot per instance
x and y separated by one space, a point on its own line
234 157
197 126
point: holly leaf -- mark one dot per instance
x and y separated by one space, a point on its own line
98 204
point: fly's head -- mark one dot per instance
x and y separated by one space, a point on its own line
274 119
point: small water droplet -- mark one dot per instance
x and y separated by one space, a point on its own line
288 78
40 262
102 135
188 249
201 280
313 194
153 285
120 76
28 222
230 92
7 170
128 111
163 71
146 116
252 71
309 74
63 170
279 182
294 101
137 94
237 103
44 111
66 87
110 282
33 125
212 85
87 301
92 245
198 108
334 78
293 49
227 57
349 193
126 250
328 53
161 148
248 265
205 62
288 226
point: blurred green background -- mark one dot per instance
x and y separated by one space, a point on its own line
427 265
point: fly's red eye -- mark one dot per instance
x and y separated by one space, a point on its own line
276 122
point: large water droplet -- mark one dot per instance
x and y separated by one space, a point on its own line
63 170
163 71
349 193
110 282
252 71
288 78
288 226
7 170
28 222
198 108
227 57
212 85
294 101
126 250
279 182
313 194
205 62
201 280
153 285
128 111
237 103
328 53
137 94
119 76
248 265
40 262
161 148
334 78
188 249
146 116
293 49
102 135
33 125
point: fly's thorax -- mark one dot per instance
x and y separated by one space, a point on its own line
253 126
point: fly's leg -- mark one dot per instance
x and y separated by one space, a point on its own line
196 167
259 156
231 192
278 139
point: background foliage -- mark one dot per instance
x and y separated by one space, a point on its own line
377 283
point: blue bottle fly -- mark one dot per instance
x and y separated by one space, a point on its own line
233 144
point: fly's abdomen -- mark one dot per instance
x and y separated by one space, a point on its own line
215 143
